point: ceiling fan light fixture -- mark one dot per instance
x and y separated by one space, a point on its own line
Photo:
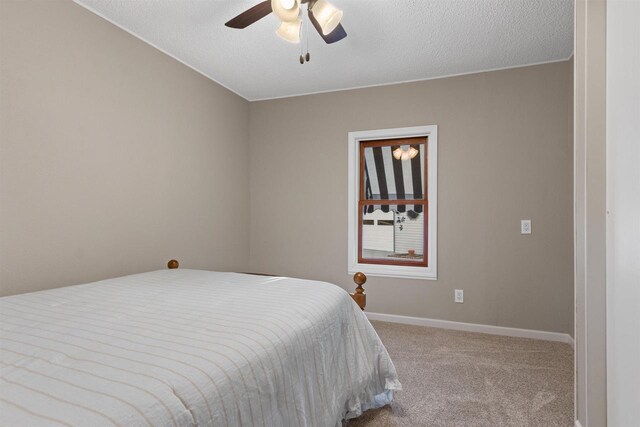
290 31
405 153
327 15
286 10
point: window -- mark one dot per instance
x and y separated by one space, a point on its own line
392 202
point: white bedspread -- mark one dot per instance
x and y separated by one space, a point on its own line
189 347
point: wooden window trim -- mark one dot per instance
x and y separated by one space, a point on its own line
362 201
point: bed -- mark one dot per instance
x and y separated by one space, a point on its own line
181 347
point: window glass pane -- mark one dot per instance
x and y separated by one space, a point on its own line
394 172
404 241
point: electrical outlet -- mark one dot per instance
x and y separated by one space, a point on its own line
525 226
459 296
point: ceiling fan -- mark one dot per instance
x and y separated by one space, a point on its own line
323 15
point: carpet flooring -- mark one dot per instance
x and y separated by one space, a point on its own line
453 378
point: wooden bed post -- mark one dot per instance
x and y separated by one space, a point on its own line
173 264
359 296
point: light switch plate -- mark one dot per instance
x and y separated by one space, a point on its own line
525 226
458 296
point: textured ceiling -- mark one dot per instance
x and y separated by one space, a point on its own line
388 41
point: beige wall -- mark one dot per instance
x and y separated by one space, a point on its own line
505 154
114 157
590 212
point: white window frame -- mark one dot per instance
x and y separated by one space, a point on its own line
409 272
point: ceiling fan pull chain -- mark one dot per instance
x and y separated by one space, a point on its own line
301 41
306 34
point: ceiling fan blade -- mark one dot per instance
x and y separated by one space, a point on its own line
336 35
250 16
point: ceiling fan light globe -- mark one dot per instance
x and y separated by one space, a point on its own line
286 14
327 15
332 23
290 31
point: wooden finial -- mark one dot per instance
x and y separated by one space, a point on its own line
359 296
173 264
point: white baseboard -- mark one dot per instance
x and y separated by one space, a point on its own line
473 327
578 424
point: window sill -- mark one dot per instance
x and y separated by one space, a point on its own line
394 271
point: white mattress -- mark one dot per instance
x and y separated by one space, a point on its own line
189 347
